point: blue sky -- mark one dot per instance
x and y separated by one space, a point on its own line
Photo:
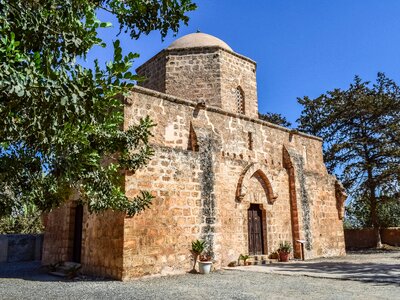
302 47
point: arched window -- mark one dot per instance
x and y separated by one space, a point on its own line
239 94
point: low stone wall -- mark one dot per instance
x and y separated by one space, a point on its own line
365 238
391 236
20 247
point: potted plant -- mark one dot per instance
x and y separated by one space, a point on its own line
198 247
284 251
205 263
244 258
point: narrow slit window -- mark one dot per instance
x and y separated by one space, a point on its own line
250 141
192 143
239 94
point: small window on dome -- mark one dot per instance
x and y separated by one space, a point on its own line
239 94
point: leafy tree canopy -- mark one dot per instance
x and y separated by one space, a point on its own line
27 220
358 213
275 118
361 131
60 123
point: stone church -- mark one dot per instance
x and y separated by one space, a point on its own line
219 173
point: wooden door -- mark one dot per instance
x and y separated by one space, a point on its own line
256 243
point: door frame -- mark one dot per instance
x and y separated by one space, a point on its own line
263 223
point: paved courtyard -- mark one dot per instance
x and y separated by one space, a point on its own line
367 266
369 275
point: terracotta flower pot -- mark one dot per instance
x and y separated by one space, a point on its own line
284 256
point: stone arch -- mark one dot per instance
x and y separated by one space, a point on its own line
240 100
294 215
265 183
257 171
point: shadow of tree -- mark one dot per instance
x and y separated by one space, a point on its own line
34 271
382 273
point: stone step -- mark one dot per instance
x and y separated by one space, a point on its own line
259 257
58 274
67 266
261 260
64 269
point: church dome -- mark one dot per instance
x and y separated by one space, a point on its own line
198 39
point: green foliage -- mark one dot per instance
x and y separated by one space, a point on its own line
198 246
61 123
27 221
285 247
275 118
361 131
358 214
244 257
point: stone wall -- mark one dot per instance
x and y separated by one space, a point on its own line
209 74
209 166
102 244
102 239
20 247
205 194
158 239
366 237
153 73
391 236
58 235
238 71
194 74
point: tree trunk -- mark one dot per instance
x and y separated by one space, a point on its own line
378 238
374 214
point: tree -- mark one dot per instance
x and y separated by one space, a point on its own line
358 213
27 221
60 123
361 131
275 118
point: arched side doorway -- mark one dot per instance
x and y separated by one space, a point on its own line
256 192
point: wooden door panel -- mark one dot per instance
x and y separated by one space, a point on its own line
255 230
250 222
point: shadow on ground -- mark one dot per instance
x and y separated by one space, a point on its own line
34 271
368 266
365 272
31 270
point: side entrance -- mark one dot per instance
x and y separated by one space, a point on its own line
255 224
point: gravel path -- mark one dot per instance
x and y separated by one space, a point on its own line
18 281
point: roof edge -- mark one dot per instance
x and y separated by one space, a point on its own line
179 100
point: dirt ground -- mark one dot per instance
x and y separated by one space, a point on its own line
359 275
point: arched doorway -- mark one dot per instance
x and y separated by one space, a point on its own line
255 230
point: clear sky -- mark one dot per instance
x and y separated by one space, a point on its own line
302 47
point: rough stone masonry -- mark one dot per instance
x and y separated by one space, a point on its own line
218 174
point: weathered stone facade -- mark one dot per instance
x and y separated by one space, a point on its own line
214 161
